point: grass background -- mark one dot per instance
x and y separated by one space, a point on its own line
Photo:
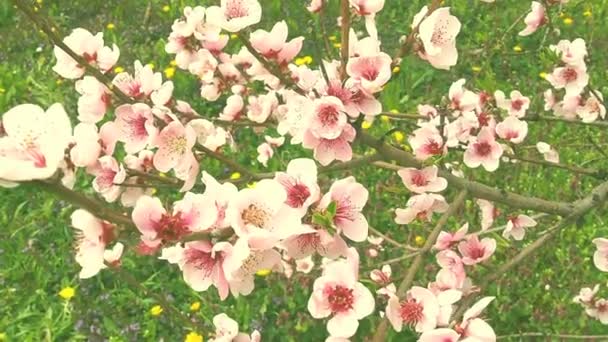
36 256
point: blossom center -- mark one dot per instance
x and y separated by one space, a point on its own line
411 311
172 227
419 179
483 149
236 9
328 115
517 104
340 298
297 195
370 72
569 74
255 216
200 259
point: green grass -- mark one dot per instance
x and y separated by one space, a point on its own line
36 254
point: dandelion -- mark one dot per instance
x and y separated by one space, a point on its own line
518 48
67 293
235 176
195 306
193 337
156 310
59 82
542 75
110 26
396 70
166 8
366 125
263 272
119 69
568 21
173 63
169 72
419 240
299 61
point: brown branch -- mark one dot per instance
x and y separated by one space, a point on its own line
571 337
478 190
391 241
575 169
345 26
380 334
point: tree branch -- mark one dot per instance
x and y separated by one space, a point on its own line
345 26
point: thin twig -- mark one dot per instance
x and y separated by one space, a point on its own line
345 26
539 334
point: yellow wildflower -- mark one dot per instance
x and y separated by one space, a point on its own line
587 13
399 136
151 65
385 118
419 240
234 36
173 63
396 70
252 185
166 8
119 69
156 310
337 45
193 337
366 124
2 90
169 72
67 293
476 68
263 272
542 75
235 176
518 48
333 38
568 21
195 306
110 26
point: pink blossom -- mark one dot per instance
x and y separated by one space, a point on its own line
517 105
512 129
94 100
424 180
474 251
462 100
305 265
235 15
108 177
260 215
300 183
484 151
586 295
265 152
89 47
260 107
136 125
234 108
201 263
516 226
191 214
419 310
227 330
474 328
92 238
220 195
209 135
488 213
572 53
592 107
274 45
421 207
572 78
450 261
600 257
367 7
328 150
337 293
354 98
373 71
600 310
446 240
438 33
441 334
534 19
426 142
143 82
329 119
203 65
548 152
350 198
243 262
381 277
174 144
315 6
310 240
88 144
34 143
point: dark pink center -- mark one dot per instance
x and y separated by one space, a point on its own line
340 298
411 311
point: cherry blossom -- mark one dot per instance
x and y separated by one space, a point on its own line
108 177
143 82
88 46
136 125
329 119
34 142
441 334
220 196
373 71
474 328
462 100
208 134
572 78
571 53
516 226
337 293
534 20
592 108
549 153
227 330
488 213
309 240
274 45
424 180
350 197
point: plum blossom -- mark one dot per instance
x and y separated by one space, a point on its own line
265 152
305 265
260 215
174 144
337 293
201 264
484 151
350 197
191 214
516 226
234 108
512 129
92 238
300 183
368 9
438 32
421 207
600 257
419 310
517 105
328 150
474 251
571 53
424 180
586 295
260 107
235 15
534 19
34 143
446 240
88 46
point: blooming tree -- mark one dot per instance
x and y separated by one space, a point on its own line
133 135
